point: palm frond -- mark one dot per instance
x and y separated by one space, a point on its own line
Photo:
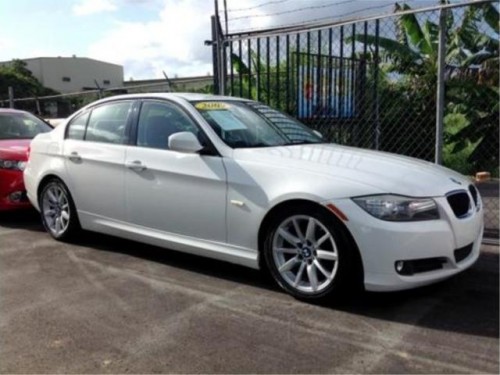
491 16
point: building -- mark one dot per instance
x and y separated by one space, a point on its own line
69 75
74 74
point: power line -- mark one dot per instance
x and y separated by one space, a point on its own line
283 12
313 24
257 6
316 19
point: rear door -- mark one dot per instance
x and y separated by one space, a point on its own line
94 150
170 191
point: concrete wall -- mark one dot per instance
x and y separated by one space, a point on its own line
72 74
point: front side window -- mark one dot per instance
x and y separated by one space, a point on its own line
158 121
21 125
108 122
251 124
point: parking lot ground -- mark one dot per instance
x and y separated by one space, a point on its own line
107 305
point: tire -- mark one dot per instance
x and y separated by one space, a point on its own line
308 253
58 211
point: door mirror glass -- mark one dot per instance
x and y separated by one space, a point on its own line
318 134
184 142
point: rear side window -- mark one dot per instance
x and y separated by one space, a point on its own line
76 128
108 122
21 125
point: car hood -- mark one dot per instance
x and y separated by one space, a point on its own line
380 172
14 149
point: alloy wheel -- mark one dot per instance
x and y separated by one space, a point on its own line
305 254
56 209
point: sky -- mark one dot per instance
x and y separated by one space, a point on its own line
148 37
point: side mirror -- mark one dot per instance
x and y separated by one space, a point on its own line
318 134
184 142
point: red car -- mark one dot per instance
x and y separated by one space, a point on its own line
17 129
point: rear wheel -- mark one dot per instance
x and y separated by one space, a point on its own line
307 253
58 211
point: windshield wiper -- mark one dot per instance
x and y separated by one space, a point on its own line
255 145
303 142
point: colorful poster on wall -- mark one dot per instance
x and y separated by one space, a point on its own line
327 90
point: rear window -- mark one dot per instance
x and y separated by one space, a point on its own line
19 125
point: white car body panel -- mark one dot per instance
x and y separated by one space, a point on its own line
96 179
214 205
166 196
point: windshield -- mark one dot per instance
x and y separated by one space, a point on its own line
251 124
19 125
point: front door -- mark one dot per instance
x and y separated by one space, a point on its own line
174 192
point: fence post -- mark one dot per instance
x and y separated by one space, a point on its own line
100 92
376 100
11 97
215 55
438 158
38 107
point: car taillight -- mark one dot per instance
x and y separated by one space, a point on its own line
28 153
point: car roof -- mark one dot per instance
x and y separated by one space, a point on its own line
189 96
11 110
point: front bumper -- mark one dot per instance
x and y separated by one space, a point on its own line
383 243
12 191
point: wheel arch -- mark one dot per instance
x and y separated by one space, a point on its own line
283 206
44 182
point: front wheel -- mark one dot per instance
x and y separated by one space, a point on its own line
307 253
58 211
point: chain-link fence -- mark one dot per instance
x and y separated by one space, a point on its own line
422 83
62 105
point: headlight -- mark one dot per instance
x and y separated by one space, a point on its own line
398 208
12 164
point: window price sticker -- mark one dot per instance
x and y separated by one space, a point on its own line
211 106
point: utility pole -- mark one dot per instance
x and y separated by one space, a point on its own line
225 17
215 54
218 42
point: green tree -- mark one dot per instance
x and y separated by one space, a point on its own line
24 84
17 76
471 121
472 113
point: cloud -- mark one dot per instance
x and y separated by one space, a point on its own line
86 7
173 40
172 43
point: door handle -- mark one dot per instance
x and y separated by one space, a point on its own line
74 156
136 165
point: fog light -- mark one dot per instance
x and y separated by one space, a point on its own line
16 196
399 266
405 267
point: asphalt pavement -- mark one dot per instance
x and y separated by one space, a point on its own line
106 305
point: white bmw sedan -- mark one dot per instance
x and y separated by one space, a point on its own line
235 180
